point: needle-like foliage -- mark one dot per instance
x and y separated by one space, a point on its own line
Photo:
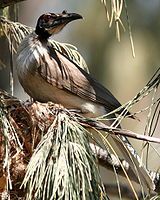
114 10
63 165
151 86
9 139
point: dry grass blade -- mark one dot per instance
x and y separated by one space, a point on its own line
150 86
63 165
107 144
129 30
14 31
9 139
156 197
114 10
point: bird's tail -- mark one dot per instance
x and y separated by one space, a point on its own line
123 148
130 155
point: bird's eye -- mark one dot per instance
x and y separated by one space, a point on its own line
47 18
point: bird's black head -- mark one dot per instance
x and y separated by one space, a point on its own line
51 23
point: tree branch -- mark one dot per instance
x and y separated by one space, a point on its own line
110 161
116 131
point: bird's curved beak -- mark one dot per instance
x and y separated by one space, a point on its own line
65 18
71 16
60 20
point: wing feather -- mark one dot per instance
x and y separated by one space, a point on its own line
59 71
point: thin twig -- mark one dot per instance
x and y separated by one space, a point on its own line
116 131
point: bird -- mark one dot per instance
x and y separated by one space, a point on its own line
48 75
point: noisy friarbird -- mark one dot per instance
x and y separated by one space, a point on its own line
47 75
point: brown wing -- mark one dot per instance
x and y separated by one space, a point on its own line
63 73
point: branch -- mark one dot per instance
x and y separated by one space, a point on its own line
5 3
110 161
116 131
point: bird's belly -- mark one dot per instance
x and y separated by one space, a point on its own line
40 90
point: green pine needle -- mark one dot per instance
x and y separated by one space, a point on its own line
63 165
